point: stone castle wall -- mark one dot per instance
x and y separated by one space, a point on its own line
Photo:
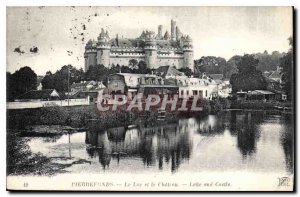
156 50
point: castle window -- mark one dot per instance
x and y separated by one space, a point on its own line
101 52
182 92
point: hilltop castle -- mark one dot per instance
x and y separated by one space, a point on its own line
156 50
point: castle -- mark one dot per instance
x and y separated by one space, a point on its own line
156 50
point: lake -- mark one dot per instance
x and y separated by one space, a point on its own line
252 141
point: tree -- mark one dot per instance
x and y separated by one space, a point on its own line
248 77
48 81
96 73
133 64
21 81
142 68
210 65
10 91
287 72
59 80
186 70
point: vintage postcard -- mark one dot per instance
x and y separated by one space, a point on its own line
150 98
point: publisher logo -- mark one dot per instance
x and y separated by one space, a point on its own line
139 102
283 181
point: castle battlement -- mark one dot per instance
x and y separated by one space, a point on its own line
156 50
128 54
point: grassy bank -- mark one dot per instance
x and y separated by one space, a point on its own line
75 116
58 120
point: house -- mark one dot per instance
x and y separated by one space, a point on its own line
39 95
263 95
168 72
276 75
171 75
85 89
275 86
241 95
195 87
82 86
131 84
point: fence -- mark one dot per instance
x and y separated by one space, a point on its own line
38 104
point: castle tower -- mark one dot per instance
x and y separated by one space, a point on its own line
90 55
188 53
150 50
103 49
178 33
159 32
173 29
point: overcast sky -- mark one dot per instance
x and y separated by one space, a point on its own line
59 35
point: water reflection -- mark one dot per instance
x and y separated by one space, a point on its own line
160 144
258 141
287 141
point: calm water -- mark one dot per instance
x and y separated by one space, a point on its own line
252 141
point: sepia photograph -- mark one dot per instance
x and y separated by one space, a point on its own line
184 98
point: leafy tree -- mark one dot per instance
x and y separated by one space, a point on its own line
248 77
97 73
211 65
287 72
133 64
48 81
142 68
59 80
186 70
21 81
10 91
232 66
268 61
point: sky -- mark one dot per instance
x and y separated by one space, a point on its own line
60 37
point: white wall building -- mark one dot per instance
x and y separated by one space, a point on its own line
194 87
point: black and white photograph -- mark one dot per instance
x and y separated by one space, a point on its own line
150 98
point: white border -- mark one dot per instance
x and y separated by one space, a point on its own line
108 3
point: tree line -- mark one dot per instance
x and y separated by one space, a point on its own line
218 65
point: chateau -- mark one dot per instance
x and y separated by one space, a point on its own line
155 49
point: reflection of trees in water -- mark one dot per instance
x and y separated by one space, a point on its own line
246 130
287 141
160 144
213 125
243 125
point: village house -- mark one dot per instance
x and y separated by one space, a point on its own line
195 87
85 89
131 84
276 75
171 75
263 95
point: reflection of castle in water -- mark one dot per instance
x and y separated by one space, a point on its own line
154 145
172 143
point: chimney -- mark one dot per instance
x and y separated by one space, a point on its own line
173 33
